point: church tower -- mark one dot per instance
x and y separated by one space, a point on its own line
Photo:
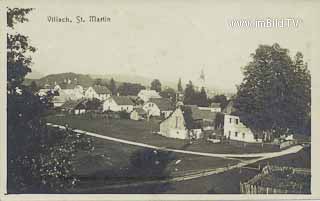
201 80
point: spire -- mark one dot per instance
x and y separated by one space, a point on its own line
202 77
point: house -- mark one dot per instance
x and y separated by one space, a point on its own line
138 114
203 118
188 122
97 91
234 129
157 107
74 106
118 103
146 94
175 126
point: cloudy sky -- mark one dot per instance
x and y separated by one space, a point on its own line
164 39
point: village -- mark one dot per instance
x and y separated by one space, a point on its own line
149 120
176 120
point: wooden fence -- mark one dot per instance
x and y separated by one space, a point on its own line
250 187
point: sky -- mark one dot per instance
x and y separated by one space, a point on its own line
164 39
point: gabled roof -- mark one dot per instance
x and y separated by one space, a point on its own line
149 93
122 100
101 89
73 104
198 114
164 104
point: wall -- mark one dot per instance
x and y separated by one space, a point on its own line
111 105
237 130
174 126
151 109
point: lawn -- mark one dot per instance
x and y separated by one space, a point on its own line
224 183
143 131
114 163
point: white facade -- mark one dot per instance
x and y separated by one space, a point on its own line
151 109
90 93
145 94
174 126
234 129
111 105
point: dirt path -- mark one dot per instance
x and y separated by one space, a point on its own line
290 150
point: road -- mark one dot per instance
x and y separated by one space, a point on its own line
290 150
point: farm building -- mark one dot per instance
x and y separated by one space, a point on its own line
175 126
97 91
234 129
146 94
188 122
118 103
74 106
157 107
138 114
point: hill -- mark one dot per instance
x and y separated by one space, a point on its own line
62 79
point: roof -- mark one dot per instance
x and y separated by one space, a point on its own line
229 109
198 114
164 104
149 93
101 89
122 100
73 104
140 111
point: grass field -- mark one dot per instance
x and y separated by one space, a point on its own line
114 163
225 183
142 131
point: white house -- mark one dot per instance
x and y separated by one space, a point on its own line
159 107
146 94
118 103
174 126
234 129
98 92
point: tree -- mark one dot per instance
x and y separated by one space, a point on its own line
180 89
38 158
112 86
169 93
222 99
201 98
156 85
275 94
130 89
189 94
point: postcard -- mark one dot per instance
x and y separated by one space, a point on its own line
159 100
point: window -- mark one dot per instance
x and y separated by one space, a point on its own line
243 135
230 120
236 134
127 108
237 121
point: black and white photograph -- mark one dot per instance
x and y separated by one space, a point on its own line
160 97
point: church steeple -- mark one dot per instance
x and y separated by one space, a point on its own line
202 77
